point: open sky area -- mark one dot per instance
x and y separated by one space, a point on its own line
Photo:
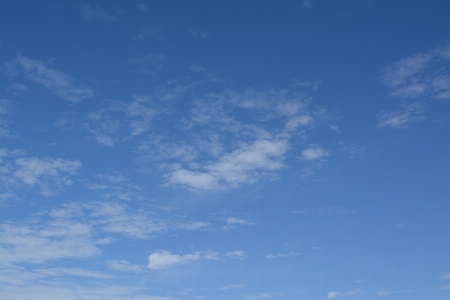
181 150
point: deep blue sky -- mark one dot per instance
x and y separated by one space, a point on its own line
225 150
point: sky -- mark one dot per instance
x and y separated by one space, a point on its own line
246 150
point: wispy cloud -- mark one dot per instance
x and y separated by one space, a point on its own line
420 75
148 32
95 12
314 153
332 295
19 87
122 265
57 82
236 254
39 243
402 118
246 165
163 259
281 255
261 296
198 33
231 287
142 6
49 174
72 272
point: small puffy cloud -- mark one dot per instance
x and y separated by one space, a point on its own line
445 276
57 82
163 259
95 12
334 128
402 118
233 222
122 265
236 254
313 153
332 295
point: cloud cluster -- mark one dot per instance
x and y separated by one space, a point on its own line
419 75
403 117
48 174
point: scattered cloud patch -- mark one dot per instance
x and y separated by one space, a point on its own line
281 255
332 295
402 118
72 272
57 82
122 265
147 33
334 128
163 259
198 33
40 243
142 6
236 254
260 296
95 12
314 153
420 75
19 87
48 174
231 287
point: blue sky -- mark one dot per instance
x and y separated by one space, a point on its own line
225 150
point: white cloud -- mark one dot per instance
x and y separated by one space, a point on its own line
49 174
72 272
94 12
250 162
192 225
419 75
194 179
146 33
114 218
332 295
231 287
163 259
402 118
142 6
280 255
19 87
261 296
236 254
122 265
334 128
198 33
445 276
39 243
390 292
64 291
313 153
57 82
232 221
